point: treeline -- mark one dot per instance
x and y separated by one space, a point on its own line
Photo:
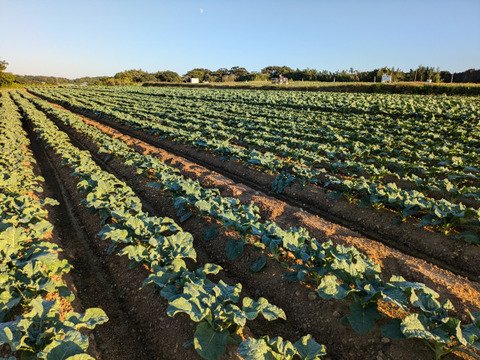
240 74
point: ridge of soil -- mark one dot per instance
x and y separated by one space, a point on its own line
448 253
326 327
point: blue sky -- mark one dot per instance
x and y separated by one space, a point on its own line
73 38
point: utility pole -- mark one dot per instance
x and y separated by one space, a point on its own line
414 80
451 79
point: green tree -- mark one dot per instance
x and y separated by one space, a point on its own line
239 73
221 75
199 73
275 71
168 76
6 79
133 76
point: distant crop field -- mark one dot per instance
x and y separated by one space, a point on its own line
412 88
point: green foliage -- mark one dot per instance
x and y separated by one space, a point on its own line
40 332
337 272
30 267
6 79
198 73
278 349
168 76
159 243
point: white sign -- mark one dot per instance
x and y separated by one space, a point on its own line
386 78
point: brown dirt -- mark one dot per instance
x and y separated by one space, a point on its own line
342 342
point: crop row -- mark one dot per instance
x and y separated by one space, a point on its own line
344 151
350 136
394 105
335 271
162 245
291 162
31 271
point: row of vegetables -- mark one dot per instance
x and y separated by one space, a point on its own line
342 136
437 178
336 272
394 105
162 245
33 322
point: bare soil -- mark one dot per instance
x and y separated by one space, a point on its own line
153 335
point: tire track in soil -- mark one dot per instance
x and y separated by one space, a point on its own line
450 254
90 277
284 293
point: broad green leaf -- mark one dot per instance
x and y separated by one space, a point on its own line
417 326
7 336
253 349
259 264
469 236
74 343
281 349
309 349
395 295
192 307
270 312
238 316
362 319
330 288
208 343
91 318
392 329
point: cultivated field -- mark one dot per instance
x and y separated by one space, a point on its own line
250 224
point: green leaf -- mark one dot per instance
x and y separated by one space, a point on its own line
362 319
469 236
259 264
234 249
192 307
210 269
208 343
74 343
136 253
186 216
309 349
392 329
253 349
270 312
7 336
91 318
330 288
235 313
11 238
395 295
336 194
425 301
417 326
